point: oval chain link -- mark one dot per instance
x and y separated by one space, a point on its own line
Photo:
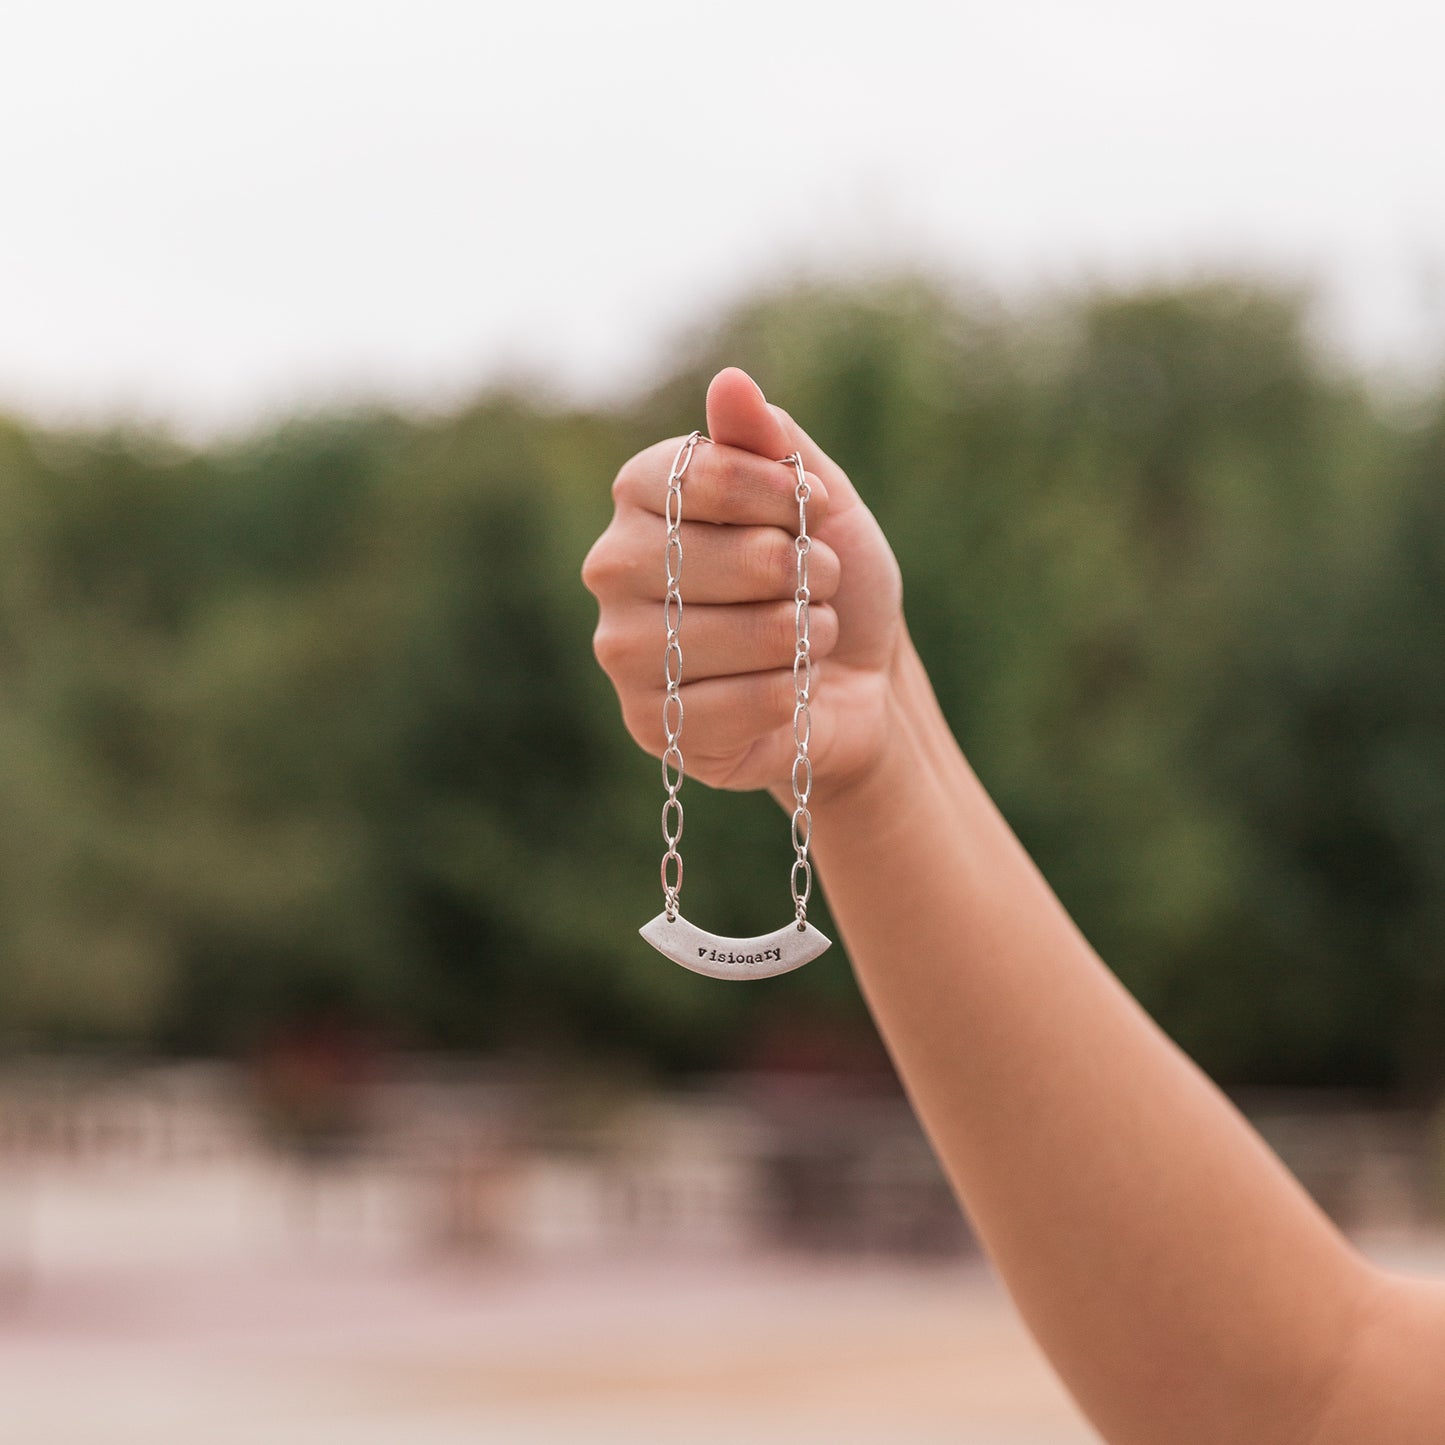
800 880
672 676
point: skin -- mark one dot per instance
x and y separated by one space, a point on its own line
1182 1283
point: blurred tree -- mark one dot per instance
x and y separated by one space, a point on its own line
308 727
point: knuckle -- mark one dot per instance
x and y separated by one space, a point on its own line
609 647
825 572
817 499
777 559
634 477
624 482
644 724
708 771
823 626
778 629
641 480
717 771
602 568
594 566
780 697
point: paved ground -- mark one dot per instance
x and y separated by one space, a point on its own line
761 1353
231 1310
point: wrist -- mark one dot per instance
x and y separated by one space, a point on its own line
914 741
910 731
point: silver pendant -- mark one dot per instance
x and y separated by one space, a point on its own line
673 936
734 958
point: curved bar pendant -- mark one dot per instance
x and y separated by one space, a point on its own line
767 955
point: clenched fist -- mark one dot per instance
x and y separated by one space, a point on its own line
740 516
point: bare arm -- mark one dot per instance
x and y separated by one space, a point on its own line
1181 1282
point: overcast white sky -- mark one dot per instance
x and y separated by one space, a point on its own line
212 211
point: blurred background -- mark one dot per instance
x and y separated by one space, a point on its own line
339 1098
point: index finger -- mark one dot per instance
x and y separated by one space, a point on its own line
722 484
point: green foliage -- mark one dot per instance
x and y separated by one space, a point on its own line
311 723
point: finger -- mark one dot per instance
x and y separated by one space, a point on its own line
720 564
722 484
716 642
738 415
722 716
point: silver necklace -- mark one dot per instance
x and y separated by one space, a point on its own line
670 933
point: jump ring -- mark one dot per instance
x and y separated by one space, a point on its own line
669 887
800 895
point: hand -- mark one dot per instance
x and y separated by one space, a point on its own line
739 519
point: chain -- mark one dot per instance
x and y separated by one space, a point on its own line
672 670
800 881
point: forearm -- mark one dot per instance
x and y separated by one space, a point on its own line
1183 1284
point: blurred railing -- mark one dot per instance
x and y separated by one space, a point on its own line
110 1166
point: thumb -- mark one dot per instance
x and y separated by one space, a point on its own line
738 415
